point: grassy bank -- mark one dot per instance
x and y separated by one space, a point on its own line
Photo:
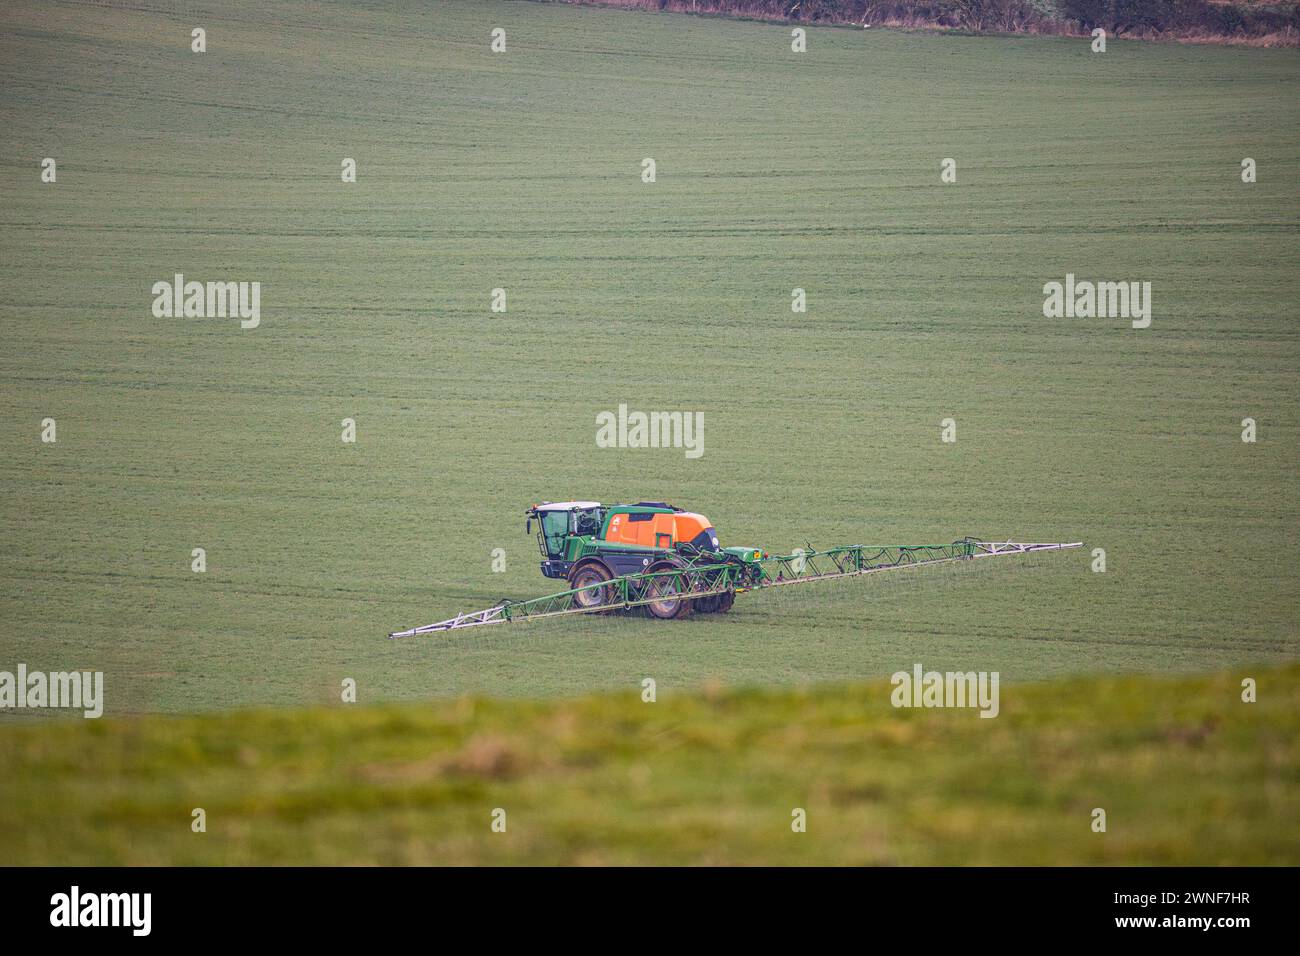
1186 773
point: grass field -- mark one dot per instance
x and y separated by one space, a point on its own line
1185 772
522 170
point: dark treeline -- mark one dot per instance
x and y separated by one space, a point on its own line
1258 24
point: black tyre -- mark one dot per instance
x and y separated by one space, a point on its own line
590 574
707 604
663 591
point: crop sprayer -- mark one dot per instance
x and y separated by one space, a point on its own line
668 561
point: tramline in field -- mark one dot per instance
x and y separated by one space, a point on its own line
668 561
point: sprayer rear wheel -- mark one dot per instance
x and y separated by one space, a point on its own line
662 590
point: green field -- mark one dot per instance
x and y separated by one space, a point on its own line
1185 772
522 170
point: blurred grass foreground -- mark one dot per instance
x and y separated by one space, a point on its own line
1185 771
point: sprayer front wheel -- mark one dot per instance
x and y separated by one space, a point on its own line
585 577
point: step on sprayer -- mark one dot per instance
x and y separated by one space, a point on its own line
668 561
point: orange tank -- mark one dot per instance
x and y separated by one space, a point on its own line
658 530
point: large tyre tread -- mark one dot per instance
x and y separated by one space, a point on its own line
588 574
683 605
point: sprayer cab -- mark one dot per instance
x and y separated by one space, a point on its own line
560 521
